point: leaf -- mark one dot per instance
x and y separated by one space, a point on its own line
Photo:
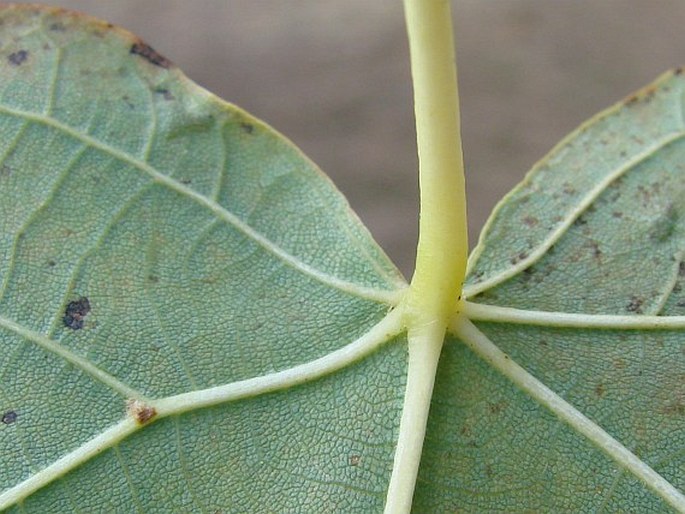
595 229
157 241
192 319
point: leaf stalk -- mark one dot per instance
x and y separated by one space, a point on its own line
434 294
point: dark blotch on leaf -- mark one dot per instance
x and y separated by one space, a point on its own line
248 128
17 58
150 55
166 94
75 313
9 417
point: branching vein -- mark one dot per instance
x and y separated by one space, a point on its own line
377 295
390 326
469 334
554 236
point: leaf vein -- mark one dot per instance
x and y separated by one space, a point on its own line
83 364
536 254
479 343
373 294
497 314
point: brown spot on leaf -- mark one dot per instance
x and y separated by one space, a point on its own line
75 313
150 55
248 128
354 460
530 221
9 417
140 411
18 58
496 408
631 100
599 390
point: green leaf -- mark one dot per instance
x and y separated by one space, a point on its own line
157 241
192 319
595 230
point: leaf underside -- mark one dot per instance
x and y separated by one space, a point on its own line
156 241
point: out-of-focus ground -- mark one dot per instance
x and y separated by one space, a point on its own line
333 75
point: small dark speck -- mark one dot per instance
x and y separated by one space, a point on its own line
9 417
75 313
248 128
57 27
185 181
166 94
635 305
520 257
531 221
51 263
18 58
599 390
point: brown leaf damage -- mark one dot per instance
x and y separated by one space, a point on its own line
140 411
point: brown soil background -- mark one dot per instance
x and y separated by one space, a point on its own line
333 76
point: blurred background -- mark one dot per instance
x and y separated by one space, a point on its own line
333 76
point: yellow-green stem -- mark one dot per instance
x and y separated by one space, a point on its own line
442 249
435 290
